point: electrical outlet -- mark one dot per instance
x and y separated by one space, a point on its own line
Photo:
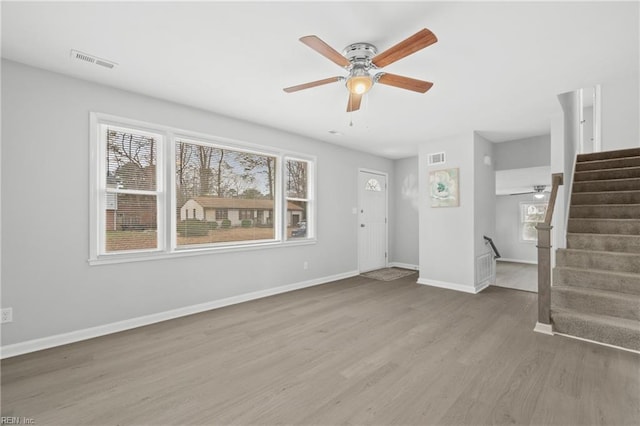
7 315
305 265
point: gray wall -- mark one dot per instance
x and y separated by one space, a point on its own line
406 204
45 213
452 237
523 153
447 233
507 238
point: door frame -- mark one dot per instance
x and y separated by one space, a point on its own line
386 212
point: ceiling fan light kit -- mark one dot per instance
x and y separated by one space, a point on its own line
359 81
539 194
360 58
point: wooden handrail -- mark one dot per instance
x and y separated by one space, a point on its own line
496 253
557 179
544 259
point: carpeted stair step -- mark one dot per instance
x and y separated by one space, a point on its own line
612 163
614 331
632 184
627 173
605 197
604 226
605 155
604 242
628 283
606 211
604 260
596 301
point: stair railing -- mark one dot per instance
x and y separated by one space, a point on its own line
544 260
494 249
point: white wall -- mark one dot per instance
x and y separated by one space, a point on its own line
507 238
570 103
484 193
447 233
621 112
587 129
557 166
45 243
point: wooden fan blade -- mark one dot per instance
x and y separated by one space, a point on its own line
404 82
325 50
312 84
354 102
419 40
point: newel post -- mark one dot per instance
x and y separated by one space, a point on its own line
544 277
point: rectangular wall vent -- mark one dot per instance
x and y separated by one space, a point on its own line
436 158
485 268
75 54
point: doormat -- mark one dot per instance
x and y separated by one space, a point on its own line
388 274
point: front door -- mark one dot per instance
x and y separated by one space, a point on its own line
372 221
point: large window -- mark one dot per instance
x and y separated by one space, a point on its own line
229 187
222 195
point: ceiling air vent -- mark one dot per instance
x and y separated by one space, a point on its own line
436 158
92 59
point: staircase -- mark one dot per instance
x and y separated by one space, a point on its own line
596 281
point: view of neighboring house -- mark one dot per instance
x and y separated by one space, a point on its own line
259 211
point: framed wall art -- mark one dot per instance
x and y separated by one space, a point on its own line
444 188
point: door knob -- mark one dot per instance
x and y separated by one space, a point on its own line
362 225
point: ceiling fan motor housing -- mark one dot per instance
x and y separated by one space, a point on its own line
360 54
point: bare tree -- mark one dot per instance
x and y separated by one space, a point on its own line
296 179
205 155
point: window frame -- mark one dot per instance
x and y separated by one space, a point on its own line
522 222
166 198
310 199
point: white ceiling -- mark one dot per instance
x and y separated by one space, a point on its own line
496 68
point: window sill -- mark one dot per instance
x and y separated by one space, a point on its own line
143 257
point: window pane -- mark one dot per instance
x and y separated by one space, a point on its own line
296 178
530 215
373 185
131 160
130 222
230 194
297 215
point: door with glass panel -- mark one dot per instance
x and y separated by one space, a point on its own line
372 221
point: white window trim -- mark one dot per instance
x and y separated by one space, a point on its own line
521 222
167 241
311 196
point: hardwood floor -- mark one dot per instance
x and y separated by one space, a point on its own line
518 276
356 351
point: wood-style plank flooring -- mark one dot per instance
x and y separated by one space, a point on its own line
357 351
518 276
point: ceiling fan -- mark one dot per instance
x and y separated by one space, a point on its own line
538 192
361 58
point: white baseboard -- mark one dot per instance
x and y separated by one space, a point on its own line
543 328
453 286
403 266
530 262
102 330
